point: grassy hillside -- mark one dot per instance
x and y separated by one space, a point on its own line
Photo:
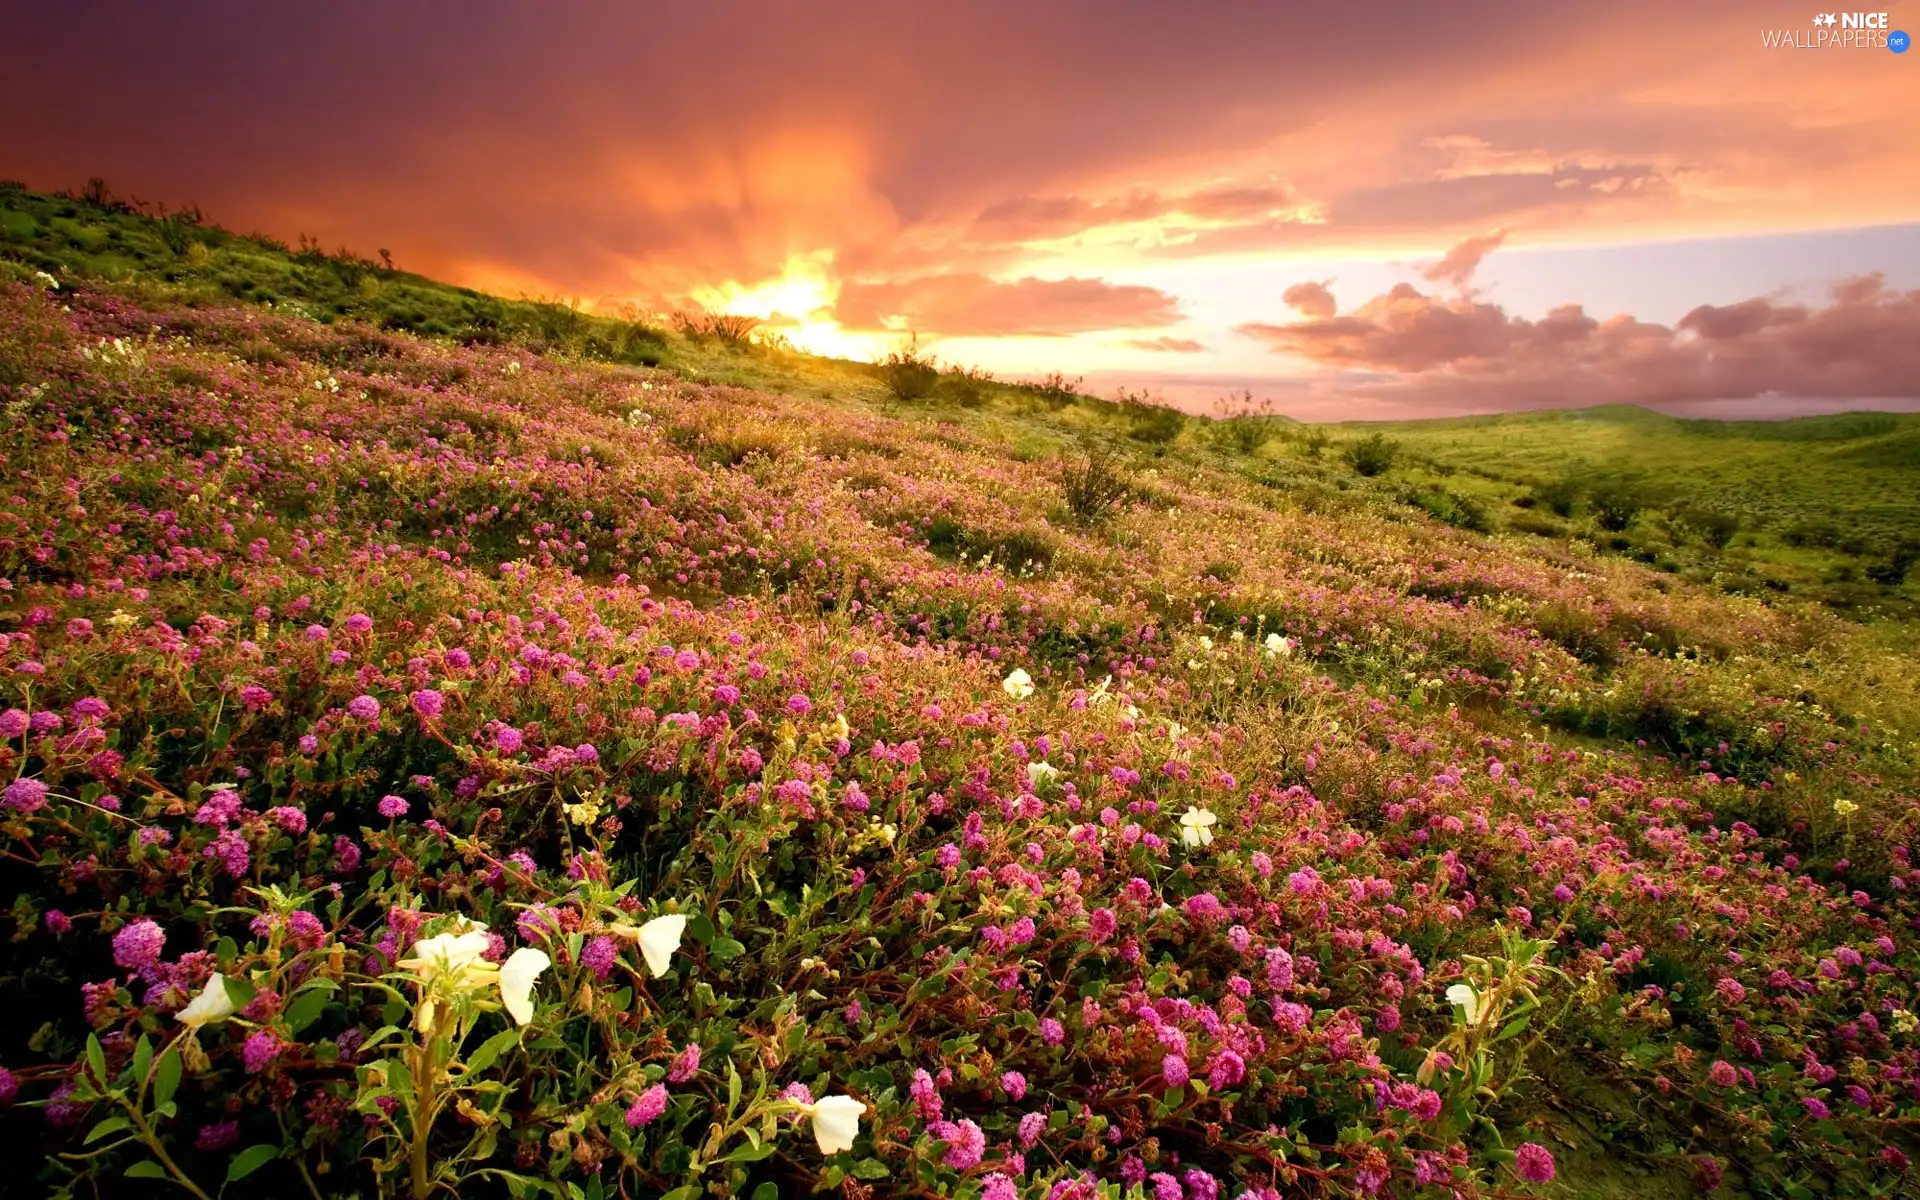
440 765
1853 478
1820 508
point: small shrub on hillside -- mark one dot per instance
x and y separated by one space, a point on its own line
734 330
1558 496
1899 561
1536 524
1373 455
1149 419
966 386
909 372
1313 441
1247 424
178 230
1615 508
1095 484
1824 534
1056 389
1711 526
1455 509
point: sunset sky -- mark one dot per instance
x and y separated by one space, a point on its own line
1359 210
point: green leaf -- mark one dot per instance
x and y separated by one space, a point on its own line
305 1010
870 1168
725 949
491 1050
766 1191
146 1170
682 1193
699 928
110 1125
1513 1027
142 1060
750 1154
97 1061
250 1160
239 991
733 1087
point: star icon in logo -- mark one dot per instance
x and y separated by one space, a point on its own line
1824 19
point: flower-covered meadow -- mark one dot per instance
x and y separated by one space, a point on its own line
438 770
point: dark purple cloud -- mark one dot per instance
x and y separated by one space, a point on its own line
1863 344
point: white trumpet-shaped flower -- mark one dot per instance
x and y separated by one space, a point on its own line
659 938
1039 773
836 1122
1018 684
459 958
517 976
212 1005
1196 827
1278 646
1463 997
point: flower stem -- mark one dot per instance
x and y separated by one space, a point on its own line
152 1143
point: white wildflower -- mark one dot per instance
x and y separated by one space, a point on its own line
1196 827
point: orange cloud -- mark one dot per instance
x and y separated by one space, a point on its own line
976 306
1310 299
1458 264
1865 343
1165 345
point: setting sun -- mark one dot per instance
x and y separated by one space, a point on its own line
797 304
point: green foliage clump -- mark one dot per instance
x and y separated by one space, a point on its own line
1150 419
1615 508
1454 508
1558 496
1245 423
1712 526
733 330
967 387
909 372
1373 454
1095 483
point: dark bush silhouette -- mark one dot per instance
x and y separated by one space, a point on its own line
909 372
